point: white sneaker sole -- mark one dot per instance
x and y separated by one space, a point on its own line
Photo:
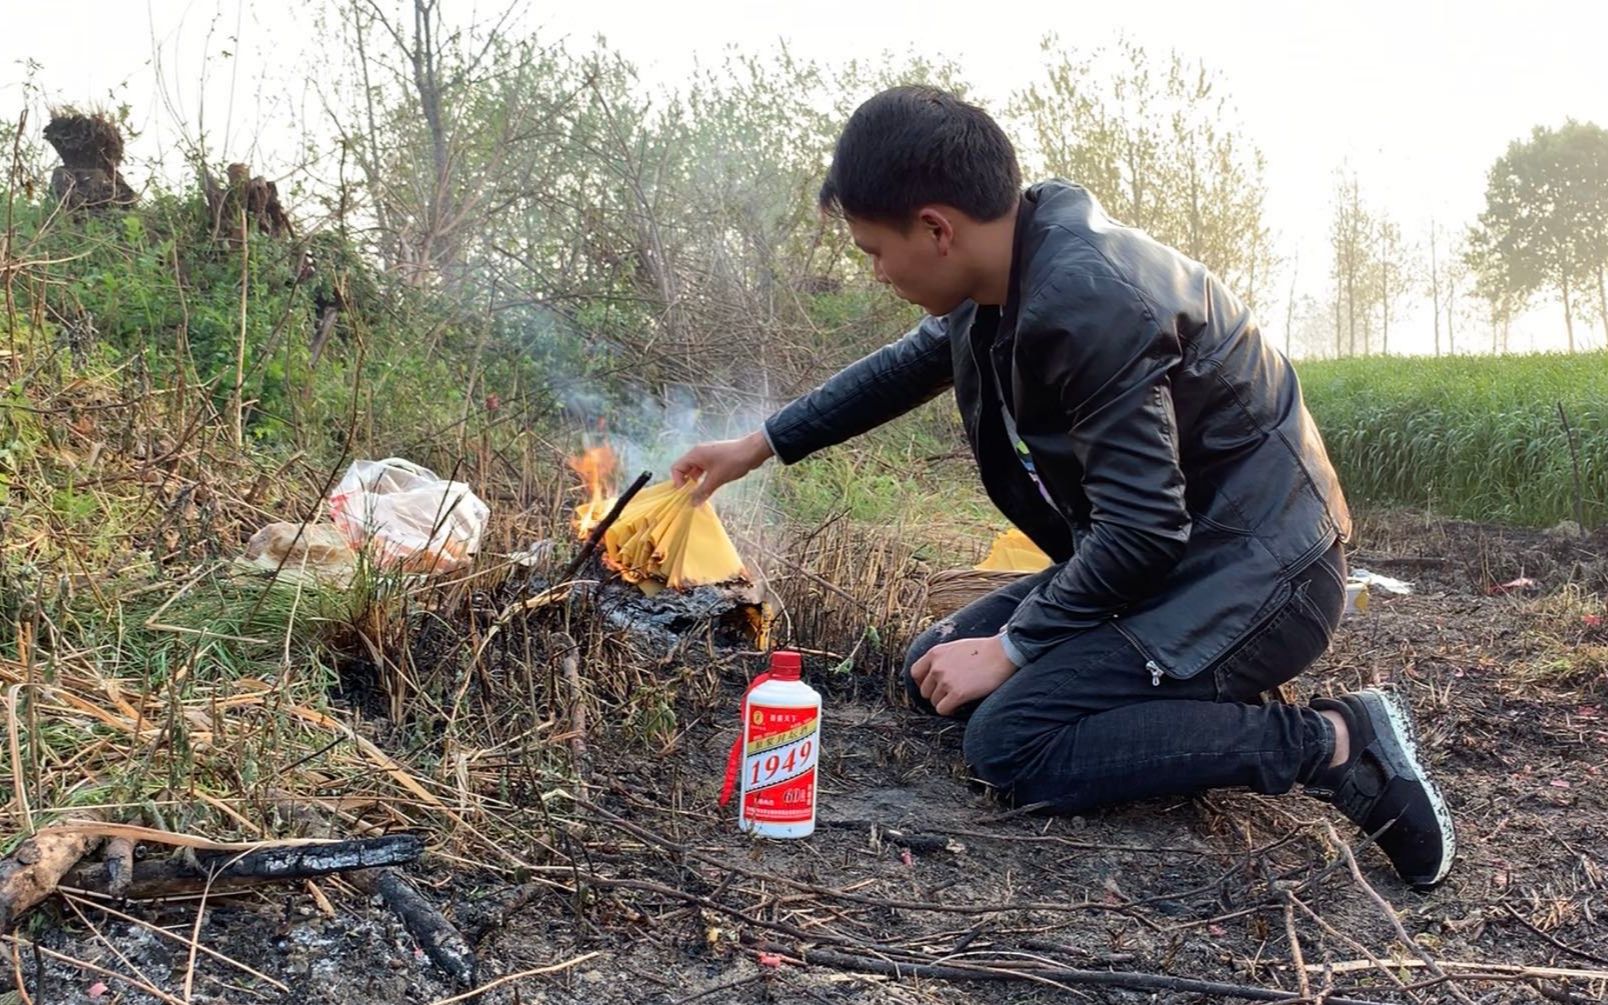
1406 733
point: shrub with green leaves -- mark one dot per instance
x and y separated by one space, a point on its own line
153 289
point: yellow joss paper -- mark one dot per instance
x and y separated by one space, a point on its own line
661 536
1014 551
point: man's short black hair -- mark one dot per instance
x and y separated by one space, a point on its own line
913 146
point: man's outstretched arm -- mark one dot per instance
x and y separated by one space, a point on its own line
867 393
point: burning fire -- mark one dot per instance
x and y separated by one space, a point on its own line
660 538
596 466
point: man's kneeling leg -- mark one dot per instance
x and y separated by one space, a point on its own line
1085 727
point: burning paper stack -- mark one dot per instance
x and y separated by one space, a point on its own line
660 538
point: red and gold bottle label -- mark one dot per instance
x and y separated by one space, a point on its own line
779 762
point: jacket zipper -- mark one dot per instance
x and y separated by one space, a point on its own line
1156 669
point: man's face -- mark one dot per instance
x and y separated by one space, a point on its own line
916 261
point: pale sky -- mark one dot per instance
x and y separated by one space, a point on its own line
1419 96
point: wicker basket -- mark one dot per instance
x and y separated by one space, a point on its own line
948 590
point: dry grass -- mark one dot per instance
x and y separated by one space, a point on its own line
142 675
1571 635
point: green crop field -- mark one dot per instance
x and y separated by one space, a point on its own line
1479 438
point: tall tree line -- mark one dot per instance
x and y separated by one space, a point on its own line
1374 270
1155 137
1544 229
675 231
1542 236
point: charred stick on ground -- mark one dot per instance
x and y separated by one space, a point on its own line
439 938
189 873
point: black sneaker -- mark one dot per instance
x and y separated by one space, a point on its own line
1383 787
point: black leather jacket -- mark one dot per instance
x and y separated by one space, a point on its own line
1189 482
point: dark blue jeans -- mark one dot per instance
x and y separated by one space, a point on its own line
1085 726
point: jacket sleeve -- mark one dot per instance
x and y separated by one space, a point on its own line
878 388
1109 358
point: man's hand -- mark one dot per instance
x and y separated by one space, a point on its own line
954 673
719 462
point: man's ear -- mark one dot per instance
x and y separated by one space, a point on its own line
938 226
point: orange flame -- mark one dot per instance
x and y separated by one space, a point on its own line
596 466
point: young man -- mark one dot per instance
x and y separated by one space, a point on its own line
1126 414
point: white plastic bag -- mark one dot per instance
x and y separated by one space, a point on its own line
407 517
313 552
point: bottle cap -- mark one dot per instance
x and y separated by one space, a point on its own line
786 664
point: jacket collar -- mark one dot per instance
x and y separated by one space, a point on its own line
960 319
1026 207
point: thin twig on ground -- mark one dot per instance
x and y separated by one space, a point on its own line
499 982
1297 959
1329 969
1571 950
1389 911
1105 978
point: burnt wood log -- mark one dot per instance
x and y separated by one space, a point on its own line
439 938
32 872
189 872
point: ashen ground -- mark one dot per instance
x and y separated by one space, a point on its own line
914 864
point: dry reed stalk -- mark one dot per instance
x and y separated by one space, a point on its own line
1474 967
237 400
522 975
195 943
14 749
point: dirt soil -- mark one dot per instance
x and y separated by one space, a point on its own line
913 865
